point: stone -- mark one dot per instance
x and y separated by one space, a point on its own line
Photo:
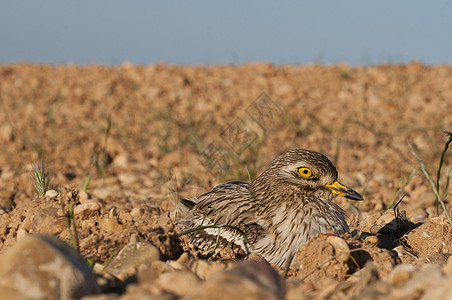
437 258
137 213
47 220
386 224
21 233
205 269
89 241
51 193
132 257
125 216
83 196
401 274
102 193
447 269
369 274
429 277
121 161
44 267
110 225
341 249
247 280
160 267
183 259
102 297
6 203
87 209
372 240
176 266
178 283
7 194
405 256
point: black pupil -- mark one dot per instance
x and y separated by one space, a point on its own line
305 171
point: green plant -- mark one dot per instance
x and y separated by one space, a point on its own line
90 262
70 222
438 172
345 74
99 158
111 256
39 179
436 188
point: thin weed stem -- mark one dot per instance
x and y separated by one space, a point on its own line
429 178
438 173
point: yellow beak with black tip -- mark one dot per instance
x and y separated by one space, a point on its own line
341 190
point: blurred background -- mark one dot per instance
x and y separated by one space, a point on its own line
228 32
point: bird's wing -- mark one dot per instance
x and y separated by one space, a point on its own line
227 204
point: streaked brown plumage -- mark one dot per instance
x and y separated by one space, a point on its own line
290 203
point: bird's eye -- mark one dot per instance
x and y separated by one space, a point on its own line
304 172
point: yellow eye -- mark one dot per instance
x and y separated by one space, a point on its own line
304 172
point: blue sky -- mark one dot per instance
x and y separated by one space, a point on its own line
226 32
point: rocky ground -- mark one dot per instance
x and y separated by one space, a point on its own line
120 146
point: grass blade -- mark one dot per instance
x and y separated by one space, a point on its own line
429 178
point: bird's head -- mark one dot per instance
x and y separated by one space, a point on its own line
308 170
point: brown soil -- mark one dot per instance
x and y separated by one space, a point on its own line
140 137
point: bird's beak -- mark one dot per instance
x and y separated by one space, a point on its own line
341 190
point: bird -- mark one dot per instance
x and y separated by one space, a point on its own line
286 206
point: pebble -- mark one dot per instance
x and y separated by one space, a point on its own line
21 233
183 259
369 274
51 194
205 269
113 213
7 194
125 216
447 269
6 204
90 241
127 178
110 225
437 258
87 209
137 213
102 193
179 283
160 267
132 256
47 220
247 280
385 224
83 196
44 267
372 240
133 238
341 249
121 161
401 274
428 278
175 265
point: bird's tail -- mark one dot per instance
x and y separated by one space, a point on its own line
189 203
182 212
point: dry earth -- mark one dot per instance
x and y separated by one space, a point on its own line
121 144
